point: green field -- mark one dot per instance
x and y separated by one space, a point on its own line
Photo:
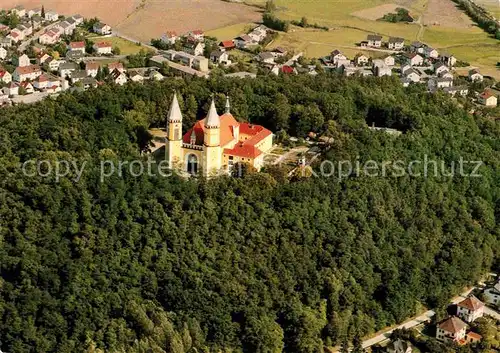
229 32
126 47
491 5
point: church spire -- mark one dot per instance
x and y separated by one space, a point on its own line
213 119
228 105
174 114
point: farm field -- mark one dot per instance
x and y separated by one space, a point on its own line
491 5
147 19
232 31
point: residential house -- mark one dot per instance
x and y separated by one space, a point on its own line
439 82
88 82
92 68
279 52
27 86
12 89
65 69
24 73
118 77
412 75
34 12
193 47
4 29
453 90
336 55
374 41
492 294
448 59
220 57
78 75
74 55
389 60
258 34
5 42
66 28
343 63
243 41
41 82
431 53
16 35
135 76
21 60
475 75
77 46
72 22
361 59
53 64
78 19
198 35
440 69
102 28
3 53
488 99
396 43
42 58
227 45
25 28
265 57
399 346
451 329
19 10
50 37
103 48
51 16
170 37
36 22
447 75
380 68
472 337
418 47
414 59
116 66
5 76
470 309
197 62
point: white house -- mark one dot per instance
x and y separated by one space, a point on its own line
414 59
49 37
389 60
77 46
431 53
53 64
22 60
24 73
5 76
66 69
28 87
243 41
35 12
470 309
439 82
194 47
12 89
198 35
20 11
396 43
220 57
399 346
170 37
440 69
135 76
3 53
475 75
453 90
412 75
266 57
66 28
488 99
51 16
451 329
374 41
16 35
361 59
102 48
102 28
119 77
92 68
78 19
336 56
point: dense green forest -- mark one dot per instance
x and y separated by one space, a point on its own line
258 263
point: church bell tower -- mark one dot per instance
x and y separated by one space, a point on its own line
173 146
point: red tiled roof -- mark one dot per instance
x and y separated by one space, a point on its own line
27 69
452 324
103 44
471 303
287 69
243 150
475 336
115 65
228 44
487 94
92 65
226 132
198 31
77 45
42 78
2 73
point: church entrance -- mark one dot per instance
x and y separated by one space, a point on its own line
192 164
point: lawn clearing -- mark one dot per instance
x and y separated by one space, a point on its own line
230 32
377 12
126 47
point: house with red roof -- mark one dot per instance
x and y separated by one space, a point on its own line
102 48
170 37
215 144
487 98
77 46
5 76
227 45
30 72
470 309
451 329
197 35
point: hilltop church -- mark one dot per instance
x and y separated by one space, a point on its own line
214 144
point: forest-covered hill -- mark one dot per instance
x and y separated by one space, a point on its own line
252 264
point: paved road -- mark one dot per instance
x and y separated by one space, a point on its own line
34 38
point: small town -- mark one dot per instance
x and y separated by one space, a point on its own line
46 53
